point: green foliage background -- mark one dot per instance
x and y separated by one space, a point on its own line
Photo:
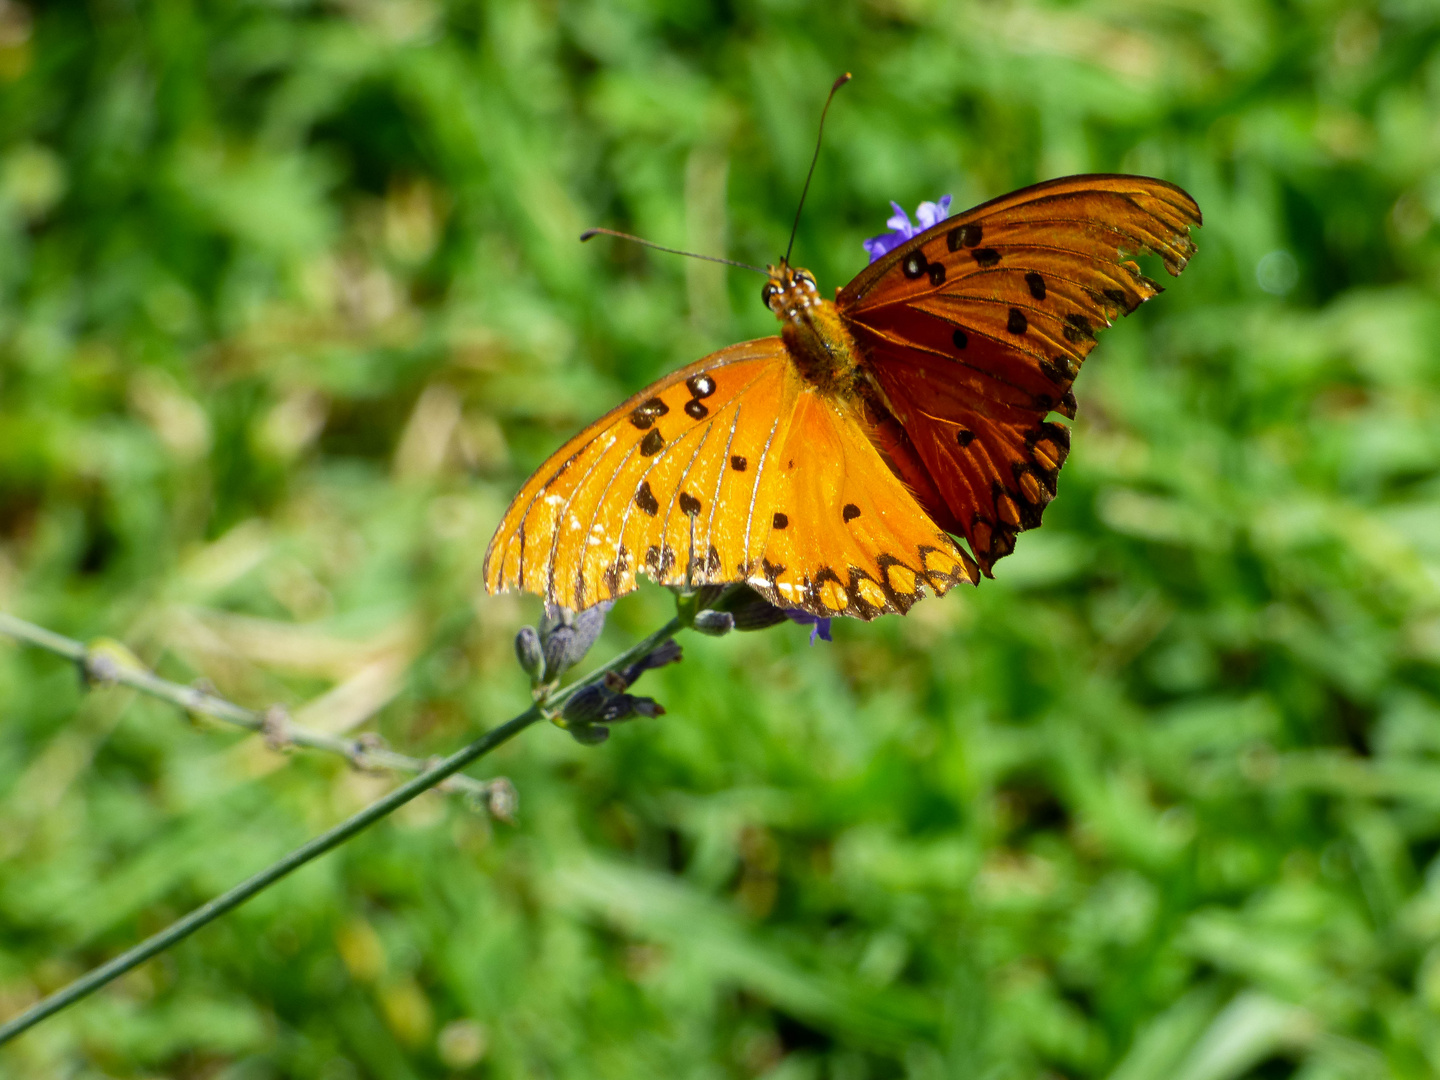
291 301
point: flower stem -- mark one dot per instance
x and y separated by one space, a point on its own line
183 928
273 723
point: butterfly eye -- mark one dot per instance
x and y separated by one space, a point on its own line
804 278
769 292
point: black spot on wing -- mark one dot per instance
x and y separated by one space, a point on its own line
1077 329
1052 372
700 386
659 561
645 499
615 572
964 236
646 413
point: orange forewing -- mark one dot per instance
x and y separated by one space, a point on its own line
618 497
697 479
975 330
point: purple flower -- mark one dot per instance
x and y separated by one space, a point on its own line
927 214
819 627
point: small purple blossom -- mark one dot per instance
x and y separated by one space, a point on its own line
819 627
927 214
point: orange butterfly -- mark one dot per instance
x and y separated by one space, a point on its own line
829 466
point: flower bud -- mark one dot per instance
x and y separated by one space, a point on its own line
587 706
714 623
589 734
530 653
751 611
566 636
599 704
645 706
667 652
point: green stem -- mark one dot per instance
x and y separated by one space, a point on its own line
275 723
38 635
87 984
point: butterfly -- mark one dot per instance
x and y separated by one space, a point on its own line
893 440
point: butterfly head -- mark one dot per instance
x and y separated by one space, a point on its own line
816 338
789 291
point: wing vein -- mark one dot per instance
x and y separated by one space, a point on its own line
580 589
675 495
720 478
755 492
909 299
560 517
629 508
520 529
906 344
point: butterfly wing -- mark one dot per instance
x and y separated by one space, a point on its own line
845 535
668 478
975 330
738 468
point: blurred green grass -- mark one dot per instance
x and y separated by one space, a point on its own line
290 302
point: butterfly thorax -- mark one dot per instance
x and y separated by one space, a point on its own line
819 344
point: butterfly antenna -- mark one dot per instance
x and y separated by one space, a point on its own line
588 233
841 81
